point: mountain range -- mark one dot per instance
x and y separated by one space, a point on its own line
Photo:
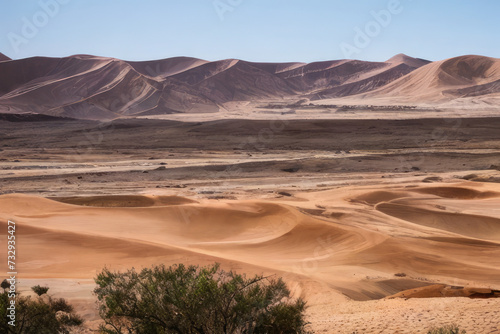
92 87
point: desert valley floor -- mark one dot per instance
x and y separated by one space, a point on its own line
362 217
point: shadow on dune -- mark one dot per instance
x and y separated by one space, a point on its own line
126 201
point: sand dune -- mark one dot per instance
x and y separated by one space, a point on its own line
248 232
445 80
480 227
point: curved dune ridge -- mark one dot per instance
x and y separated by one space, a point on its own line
442 290
459 193
410 206
183 225
124 201
376 197
475 226
356 254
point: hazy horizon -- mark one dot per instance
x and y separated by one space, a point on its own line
212 60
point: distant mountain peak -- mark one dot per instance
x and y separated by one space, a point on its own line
399 57
405 59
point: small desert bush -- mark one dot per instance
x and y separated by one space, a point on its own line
450 329
40 290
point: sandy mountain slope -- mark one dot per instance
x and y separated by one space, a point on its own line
365 81
344 77
166 67
235 80
349 77
90 87
277 68
20 72
410 61
446 80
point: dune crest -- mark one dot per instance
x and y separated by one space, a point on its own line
410 61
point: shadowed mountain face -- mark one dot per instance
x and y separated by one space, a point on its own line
4 57
94 88
90 87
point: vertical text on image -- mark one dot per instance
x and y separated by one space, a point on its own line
11 265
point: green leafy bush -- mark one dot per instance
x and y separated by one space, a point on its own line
182 299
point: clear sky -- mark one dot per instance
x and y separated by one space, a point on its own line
254 30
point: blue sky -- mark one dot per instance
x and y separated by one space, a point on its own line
254 30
